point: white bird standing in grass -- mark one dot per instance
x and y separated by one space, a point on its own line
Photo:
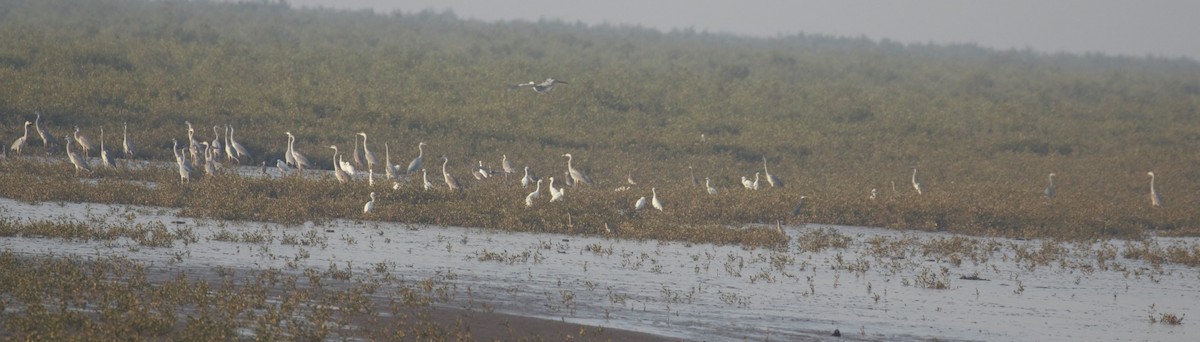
299 160
338 173
370 204
754 185
537 192
640 204
425 179
185 169
450 180
216 143
389 170
710 188
20 142
654 200
916 183
506 166
555 194
371 161
527 178
1155 201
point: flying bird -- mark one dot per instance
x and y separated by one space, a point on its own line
543 87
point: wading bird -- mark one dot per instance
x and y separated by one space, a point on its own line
338 173
555 194
370 204
799 207
80 163
85 143
1155 201
185 170
209 168
692 174
533 195
654 200
241 151
543 87
506 166
358 156
425 181
576 175
710 188
1049 192
126 144
19 144
916 183
771 179
282 166
216 145
450 180
47 138
527 178
640 204
415 164
300 161
389 170
370 157
874 192
105 160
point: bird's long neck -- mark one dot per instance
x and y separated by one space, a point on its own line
1151 183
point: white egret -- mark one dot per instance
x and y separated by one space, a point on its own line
338 173
747 184
104 158
18 144
534 195
370 204
654 200
185 170
85 143
543 87
415 164
916 183
526 179
80 163
874 193
126 143
450 180
1155 201
209 168
555 194
754 185
771 179
640 204
576 175
483 171
425 181
710 188
629 179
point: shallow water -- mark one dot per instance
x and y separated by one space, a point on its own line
693 291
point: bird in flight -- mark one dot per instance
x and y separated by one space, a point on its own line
543 87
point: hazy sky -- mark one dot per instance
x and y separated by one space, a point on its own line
1136 28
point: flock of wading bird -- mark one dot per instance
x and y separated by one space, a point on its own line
197 154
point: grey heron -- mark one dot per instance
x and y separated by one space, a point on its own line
104 158
209 168
358 155
85 143
282 166
80 163
799 206
1049 192
506 166
19 144
126 144
692 174
370 157
771 179
241 151
415 164
338 173
388 169
48 139
576 175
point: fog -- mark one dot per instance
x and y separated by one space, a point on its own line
1132 28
